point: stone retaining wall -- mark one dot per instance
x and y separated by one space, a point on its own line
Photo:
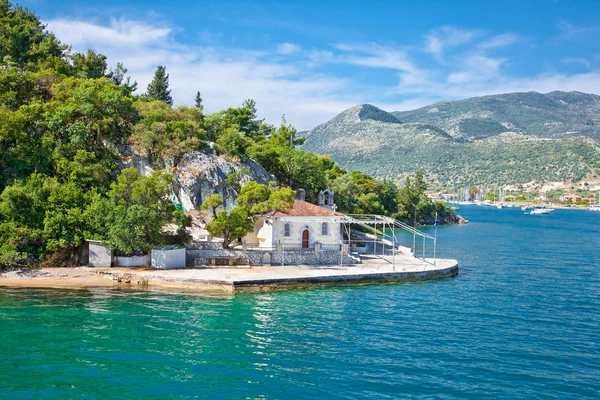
199 253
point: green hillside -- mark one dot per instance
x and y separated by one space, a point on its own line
551 115
394 149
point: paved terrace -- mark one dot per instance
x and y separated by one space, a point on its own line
373 270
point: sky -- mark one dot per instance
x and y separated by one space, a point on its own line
311 59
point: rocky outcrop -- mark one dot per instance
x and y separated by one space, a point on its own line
449 220
200 174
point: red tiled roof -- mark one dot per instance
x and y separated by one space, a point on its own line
303 208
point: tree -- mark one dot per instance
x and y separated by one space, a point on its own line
213 202
132 217
164 133
473 192
159 87
198 101
87 113
245 119
26 42
16 87
85 170
370 204
89 65
234 143
230 225
39 215
257 198
234 180
253 193
410 196
118 78
285 135
414 205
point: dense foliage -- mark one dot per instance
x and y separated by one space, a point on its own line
63 119
69 126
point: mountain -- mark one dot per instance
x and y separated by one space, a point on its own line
504 139
551 115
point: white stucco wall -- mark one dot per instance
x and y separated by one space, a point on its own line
167 258
252 237
100 255
314 227
268 232
134 261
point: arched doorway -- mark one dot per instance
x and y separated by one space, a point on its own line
305 239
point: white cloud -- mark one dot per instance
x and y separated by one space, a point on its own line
296 84
477 68
224 76
376 56
119 32
569 31
575 60
503 40
448 36
288 48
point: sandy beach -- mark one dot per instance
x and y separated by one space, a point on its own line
56 278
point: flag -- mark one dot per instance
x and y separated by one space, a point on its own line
435 221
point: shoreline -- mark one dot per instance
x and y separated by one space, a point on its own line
226 280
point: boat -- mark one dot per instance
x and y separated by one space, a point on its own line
541 211
527 208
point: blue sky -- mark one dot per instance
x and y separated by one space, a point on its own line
311 59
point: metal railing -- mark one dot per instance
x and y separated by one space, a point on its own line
387 235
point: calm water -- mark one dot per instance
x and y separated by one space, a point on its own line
522 320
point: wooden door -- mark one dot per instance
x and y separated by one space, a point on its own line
305 239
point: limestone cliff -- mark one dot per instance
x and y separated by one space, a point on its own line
200 174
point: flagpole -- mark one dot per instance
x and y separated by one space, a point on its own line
435 237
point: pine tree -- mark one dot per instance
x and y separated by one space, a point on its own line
118 78
159 87
199 101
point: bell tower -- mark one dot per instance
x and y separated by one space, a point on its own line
326 199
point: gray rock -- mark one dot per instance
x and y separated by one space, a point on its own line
201 174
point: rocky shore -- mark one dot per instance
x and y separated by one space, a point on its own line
453 220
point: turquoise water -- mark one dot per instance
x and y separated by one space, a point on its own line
521 321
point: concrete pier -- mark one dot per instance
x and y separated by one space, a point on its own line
263 278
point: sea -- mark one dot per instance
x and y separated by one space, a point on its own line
520 321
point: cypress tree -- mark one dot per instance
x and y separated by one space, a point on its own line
199 101
159 87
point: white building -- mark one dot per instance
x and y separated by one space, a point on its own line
304 226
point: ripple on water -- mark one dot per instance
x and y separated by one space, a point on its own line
520 321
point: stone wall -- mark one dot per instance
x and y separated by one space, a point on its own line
199 253
324 257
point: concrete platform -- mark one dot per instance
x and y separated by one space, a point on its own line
373 270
